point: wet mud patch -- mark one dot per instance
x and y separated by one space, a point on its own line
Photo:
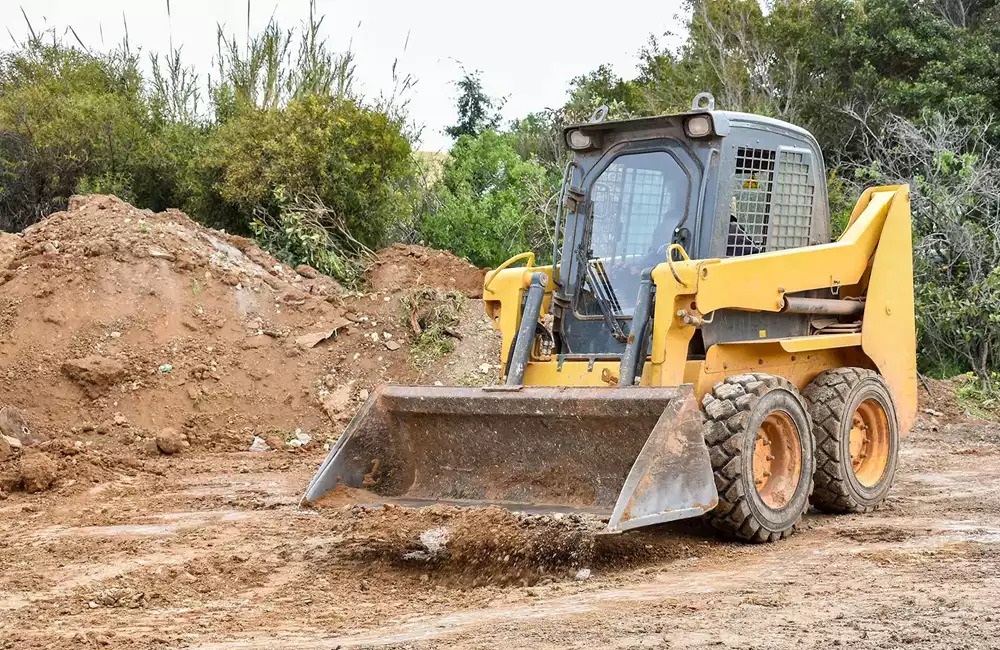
876 534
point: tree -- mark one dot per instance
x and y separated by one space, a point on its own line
491 204
477 111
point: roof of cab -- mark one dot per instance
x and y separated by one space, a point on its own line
733 118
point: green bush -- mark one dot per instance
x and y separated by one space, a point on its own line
353 159
491 204
67 119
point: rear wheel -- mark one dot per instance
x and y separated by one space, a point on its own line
761 447
857 439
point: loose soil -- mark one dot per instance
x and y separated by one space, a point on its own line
215 553
117 324
128 546
409 266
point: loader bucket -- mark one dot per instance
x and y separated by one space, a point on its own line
635 455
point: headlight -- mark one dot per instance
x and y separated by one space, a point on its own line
698 126
578 140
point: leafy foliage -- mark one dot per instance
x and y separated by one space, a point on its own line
282 121
353 159
477 111
491 203
305 231
434 316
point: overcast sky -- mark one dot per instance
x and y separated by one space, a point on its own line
527 50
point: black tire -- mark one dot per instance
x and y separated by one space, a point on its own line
736 410
834 397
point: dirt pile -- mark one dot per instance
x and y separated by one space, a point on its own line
938 402
117 324
409 266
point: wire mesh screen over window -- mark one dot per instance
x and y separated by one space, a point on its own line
637 201
628 204
793 202
772 208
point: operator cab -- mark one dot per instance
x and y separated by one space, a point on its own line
718 183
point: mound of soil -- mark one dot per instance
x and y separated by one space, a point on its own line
409 266
118 323
936 400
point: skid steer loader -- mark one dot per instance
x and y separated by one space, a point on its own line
698 347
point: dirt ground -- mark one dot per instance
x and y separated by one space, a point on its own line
214 553
135 515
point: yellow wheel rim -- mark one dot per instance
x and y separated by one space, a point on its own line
869 443
777 460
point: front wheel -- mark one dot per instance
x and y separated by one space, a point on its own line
760 443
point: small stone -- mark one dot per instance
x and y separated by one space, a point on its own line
166 368
275 442
170 442
581 575
363 394
256 342
38 472
120 420
392 346
259 444
307 271
161 254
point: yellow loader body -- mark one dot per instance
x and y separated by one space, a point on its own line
569 439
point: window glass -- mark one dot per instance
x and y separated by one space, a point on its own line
637 202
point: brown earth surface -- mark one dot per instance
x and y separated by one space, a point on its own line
118 323
409 266
137 518
214 553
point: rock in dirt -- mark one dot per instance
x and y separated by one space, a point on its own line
256 342
95 374
336 403
307 271
6 449
8 247
14 425
38 472
169 441
259 444
313 339
274 442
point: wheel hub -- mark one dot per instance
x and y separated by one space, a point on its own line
777 460
869 443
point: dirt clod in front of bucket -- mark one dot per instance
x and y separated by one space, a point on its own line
491 545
